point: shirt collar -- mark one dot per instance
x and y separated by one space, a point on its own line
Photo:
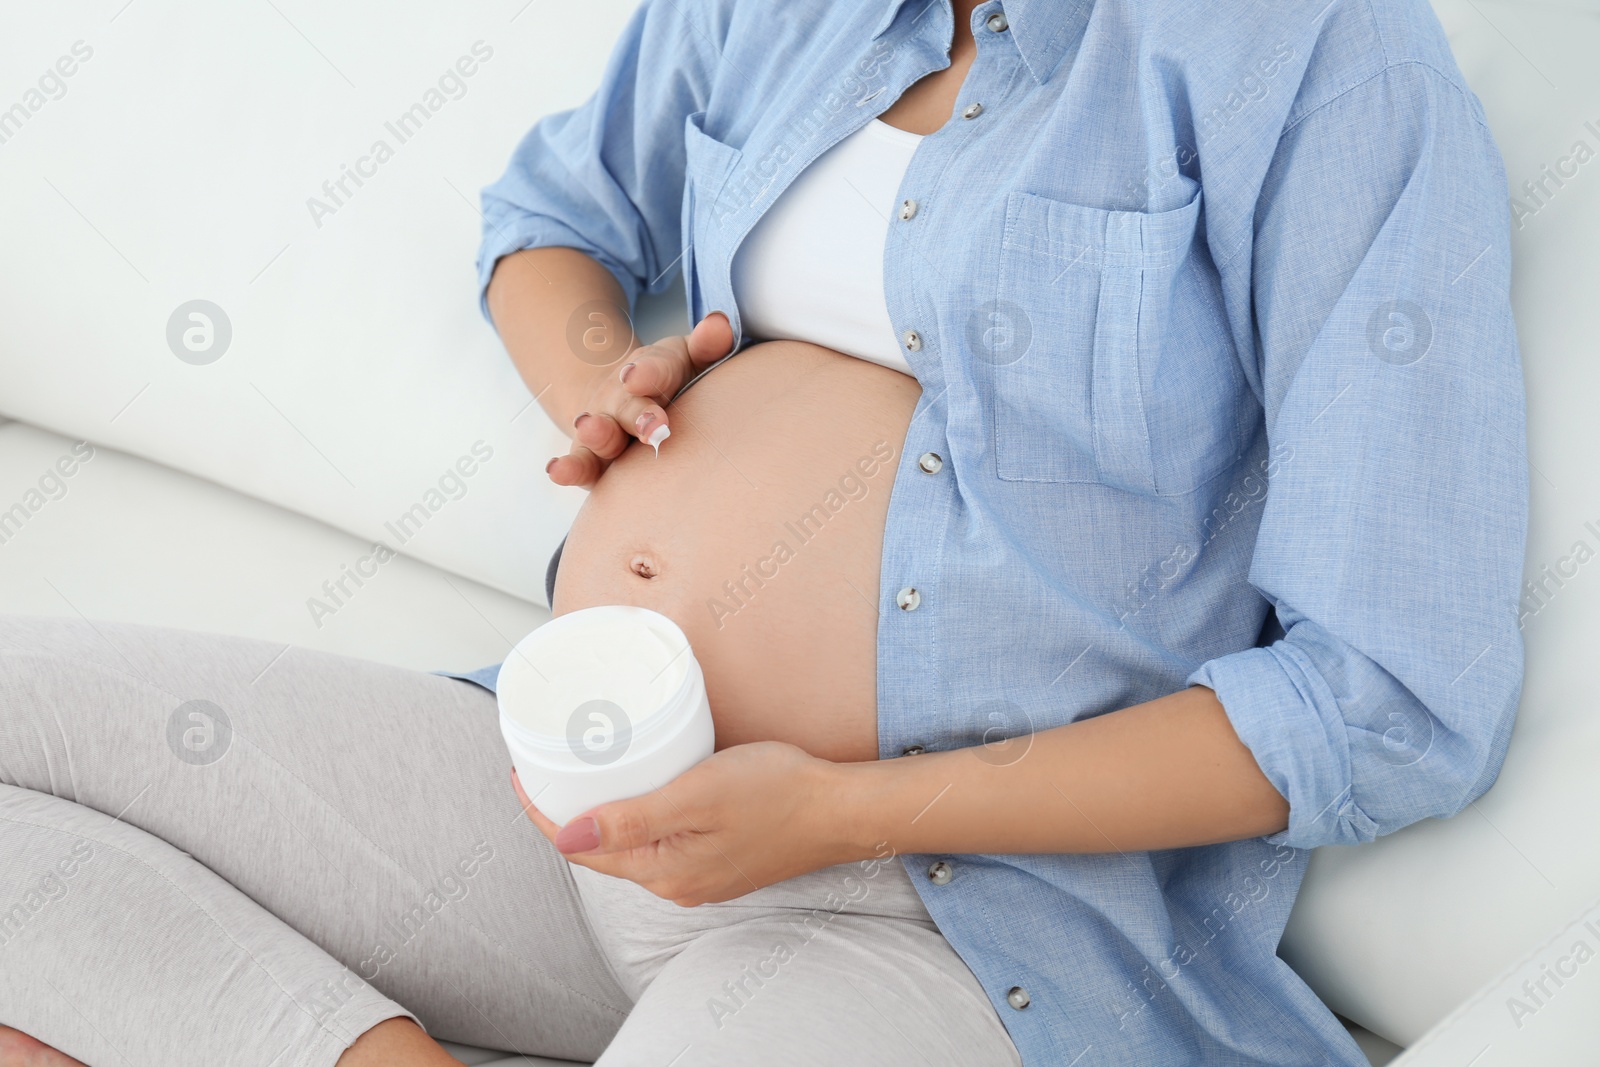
1042 29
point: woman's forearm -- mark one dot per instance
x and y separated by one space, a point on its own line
1164 774
1171 772
562 317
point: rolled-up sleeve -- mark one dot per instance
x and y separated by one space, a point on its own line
1392 538
607 177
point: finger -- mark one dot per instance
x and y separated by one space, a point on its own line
651 425
623 825
646 420
616 866
600 433
710 340
643 415
578 467
659 370
656 370
599 438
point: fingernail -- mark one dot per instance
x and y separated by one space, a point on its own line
627 368
579 835
552 463
644 420
579 418
659 434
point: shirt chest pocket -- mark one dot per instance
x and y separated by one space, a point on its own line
707 164
1109 356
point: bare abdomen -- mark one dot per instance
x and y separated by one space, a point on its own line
759 530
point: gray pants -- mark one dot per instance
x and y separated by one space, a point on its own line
215 850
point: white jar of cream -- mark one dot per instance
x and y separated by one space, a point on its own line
602 704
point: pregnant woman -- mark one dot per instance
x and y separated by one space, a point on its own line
1093 480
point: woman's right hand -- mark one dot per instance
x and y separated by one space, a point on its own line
631 402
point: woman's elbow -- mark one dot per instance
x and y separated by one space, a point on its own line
1422 768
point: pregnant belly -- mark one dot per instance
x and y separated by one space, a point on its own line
759 531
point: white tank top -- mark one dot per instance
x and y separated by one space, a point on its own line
812 267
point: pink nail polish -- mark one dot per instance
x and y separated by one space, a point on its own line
579 835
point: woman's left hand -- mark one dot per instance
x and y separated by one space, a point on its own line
747 817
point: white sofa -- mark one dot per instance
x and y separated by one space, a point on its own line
185 158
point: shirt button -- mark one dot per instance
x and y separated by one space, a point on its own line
997 23
1018 997
912 340
912 750
931 462
908 210
940 873
972 111
908 599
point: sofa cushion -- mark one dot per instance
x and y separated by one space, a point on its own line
193 268
125 539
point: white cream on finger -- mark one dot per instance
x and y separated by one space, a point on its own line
657 435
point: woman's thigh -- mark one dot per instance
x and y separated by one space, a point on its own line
842 965
366 806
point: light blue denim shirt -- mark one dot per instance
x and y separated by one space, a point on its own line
1209 305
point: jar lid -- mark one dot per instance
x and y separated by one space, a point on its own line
596 677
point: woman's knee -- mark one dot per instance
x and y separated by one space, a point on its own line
65 720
